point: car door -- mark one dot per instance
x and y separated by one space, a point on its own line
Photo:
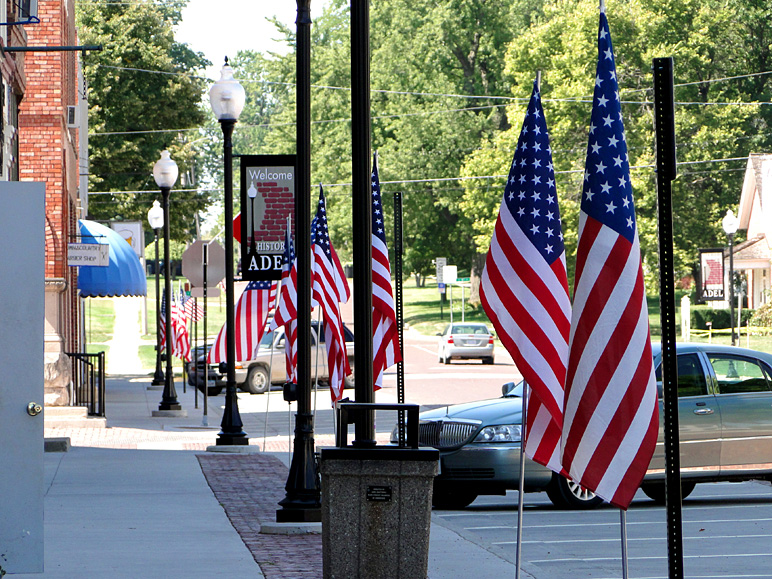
699 420
745 399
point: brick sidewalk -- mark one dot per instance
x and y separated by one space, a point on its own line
249 488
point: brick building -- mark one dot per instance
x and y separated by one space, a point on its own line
48 153
12 89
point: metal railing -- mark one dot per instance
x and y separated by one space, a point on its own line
88 382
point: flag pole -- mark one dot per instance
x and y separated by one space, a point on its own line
521 491
623 525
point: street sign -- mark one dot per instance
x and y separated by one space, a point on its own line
449 273
95 254
441 287
193 264
440 263
211 292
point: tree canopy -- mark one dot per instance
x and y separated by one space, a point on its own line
143 96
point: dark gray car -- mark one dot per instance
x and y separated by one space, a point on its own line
725 420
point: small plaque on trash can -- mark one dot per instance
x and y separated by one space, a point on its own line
379 494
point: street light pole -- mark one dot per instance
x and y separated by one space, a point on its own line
730 223
165 173
155 217
227 98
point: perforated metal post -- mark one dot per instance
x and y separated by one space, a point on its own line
666 172
399 311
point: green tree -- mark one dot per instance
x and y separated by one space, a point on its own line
705 41
143 98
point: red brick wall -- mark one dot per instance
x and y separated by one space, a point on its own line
47 148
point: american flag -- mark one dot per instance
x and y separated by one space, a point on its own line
286 310
524 286
193 311
180 343
611 418
386 351
250 316
329 286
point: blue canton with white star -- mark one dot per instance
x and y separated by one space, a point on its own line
289 252
607 194
377 207
319 233
530 192
258 285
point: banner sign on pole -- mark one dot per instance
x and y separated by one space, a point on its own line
711 282
267 199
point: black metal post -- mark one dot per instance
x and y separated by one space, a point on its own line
158 377
231 428
364 429
302 502
666 172
169 396
731 285
399 313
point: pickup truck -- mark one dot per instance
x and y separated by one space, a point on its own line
252 375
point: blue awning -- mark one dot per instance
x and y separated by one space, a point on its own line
123 277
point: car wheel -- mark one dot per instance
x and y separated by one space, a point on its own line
212 390
257 380
445 359
565 493
488 360
449 498
657 493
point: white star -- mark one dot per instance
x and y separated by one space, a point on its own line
626 201
630 222
548 249
607 121
609 54
536 113
537 130
618 161
536 163
536 179
622 182
551 183
592 129
602 101
537 147
595 147
535 229
521 212
598 81
550 199
612 141
522 163
512 179
610 207
511 195
602 33
550 216
535 213
600 168
606 187
549 232
536 196
589 194
521 196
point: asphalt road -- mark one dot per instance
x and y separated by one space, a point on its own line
727 533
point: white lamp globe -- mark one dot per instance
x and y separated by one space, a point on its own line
155 216
165 171
730 223
227 96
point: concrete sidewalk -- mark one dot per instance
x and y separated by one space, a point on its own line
141 498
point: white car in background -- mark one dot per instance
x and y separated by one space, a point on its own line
466 341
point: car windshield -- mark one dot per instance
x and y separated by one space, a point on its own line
469 329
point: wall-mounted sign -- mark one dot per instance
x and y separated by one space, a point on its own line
96 254
711 283
133 233
267 199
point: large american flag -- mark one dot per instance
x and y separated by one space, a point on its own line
386 351
524 287
286 310
329 288
250 316
611 417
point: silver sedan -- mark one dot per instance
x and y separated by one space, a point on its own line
465 341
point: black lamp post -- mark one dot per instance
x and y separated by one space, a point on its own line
165 174
730 223
155 216
227 98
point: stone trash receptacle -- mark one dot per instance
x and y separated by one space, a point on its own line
376 511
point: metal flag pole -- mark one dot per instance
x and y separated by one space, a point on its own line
521 492
205 265
623 525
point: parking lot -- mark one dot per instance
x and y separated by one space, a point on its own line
727 532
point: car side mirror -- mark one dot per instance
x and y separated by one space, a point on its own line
507 388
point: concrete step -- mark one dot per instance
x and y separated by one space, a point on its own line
71 417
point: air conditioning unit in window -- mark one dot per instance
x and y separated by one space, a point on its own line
73 118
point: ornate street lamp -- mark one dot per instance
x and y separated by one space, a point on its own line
227 98
155 216
730 223
165 174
